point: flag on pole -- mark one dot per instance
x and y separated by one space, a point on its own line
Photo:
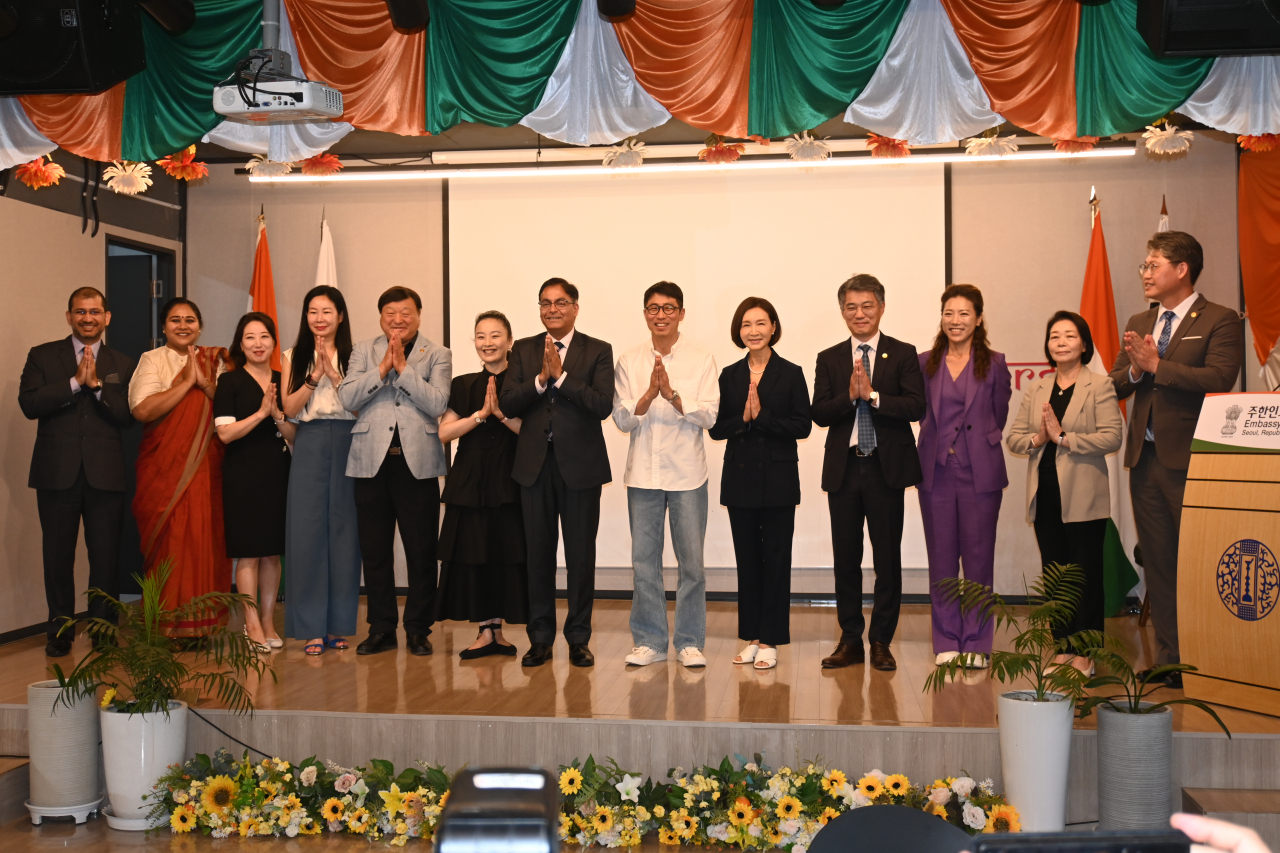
1163 225
262 291
326 266
1098 307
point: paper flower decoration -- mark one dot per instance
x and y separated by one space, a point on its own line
991 146
1259 144
38 173
625 155
717 152
261 167
884 146
1167 140
183 166
757 138
128 178
321 165
1075 145
806 149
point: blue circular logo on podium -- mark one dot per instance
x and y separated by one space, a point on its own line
1249 580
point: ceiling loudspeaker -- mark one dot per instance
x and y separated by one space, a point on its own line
69 46
616 8
176 16
409 14
1210 27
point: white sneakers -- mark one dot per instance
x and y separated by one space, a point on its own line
643 656
944 658
691 656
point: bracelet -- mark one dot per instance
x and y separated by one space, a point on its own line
310 383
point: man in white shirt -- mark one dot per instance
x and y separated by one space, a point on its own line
666 396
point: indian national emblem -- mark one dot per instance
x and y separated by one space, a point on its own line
1249 580
1229 426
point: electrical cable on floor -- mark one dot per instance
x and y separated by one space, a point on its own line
236 739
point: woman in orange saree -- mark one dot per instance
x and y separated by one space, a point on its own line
178 505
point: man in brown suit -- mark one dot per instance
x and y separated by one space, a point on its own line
1173 354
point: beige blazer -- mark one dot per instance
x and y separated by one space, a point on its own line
1094 428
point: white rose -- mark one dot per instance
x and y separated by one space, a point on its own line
308 776
940 796
963 786
974 817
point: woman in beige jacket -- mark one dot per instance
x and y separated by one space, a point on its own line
1068 422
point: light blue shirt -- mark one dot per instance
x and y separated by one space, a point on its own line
78 346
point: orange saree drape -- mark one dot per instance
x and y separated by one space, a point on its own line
694 57
1259 218
178 505
1024 53
86 125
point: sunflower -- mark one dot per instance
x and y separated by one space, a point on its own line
741 812
271 788
935 809
309 827
834 781
444 798
182 820
774 836
787 807
684 824
332 809
565 825
570 781
602 820
667 836
870 786
827 814
897 784
359 820
218 795
1002 818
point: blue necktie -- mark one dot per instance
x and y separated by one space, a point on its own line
866 429
551 389
1166 332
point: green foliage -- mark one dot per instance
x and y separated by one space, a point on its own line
1133 687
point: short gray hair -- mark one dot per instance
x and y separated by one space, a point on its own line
861 283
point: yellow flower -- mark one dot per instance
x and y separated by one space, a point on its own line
107 697
870 786
935 809
774 836
685 824
667 836
332 809
309 827
834 781
393 800
444 798
271 788
1002 818
359 820
897 784
642 813
246 827
218 795
715 795
565 824
741 813
570 781
786 771
787 807
603 819
578 821
401 827
182 820
827 814
659 812
809 770
399 841
180 797
281 765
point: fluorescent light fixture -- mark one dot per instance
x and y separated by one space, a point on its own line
685 168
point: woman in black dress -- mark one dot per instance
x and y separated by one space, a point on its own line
482 550
255 470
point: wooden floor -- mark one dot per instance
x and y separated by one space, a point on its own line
799 691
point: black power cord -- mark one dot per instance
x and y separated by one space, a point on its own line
224 734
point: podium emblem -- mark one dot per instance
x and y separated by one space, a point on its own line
1249 580
1229 425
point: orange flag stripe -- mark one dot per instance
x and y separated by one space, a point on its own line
263 289
1259 218
85 125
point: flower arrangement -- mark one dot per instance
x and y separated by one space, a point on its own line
605 805
1260 143
184 165
718 153
38 174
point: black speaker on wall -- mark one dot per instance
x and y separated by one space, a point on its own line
409 14
616 8
1210 27
70 46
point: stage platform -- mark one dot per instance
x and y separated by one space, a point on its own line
444 710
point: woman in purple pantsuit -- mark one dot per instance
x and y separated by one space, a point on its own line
967 403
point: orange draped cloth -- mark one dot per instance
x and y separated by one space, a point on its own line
1259 223
694 57
1024 53
85 125
178 505
381 71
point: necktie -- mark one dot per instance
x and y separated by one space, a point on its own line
1166 332
866 429
551 391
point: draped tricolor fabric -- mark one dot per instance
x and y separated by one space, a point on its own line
85 125
20 142
1241 95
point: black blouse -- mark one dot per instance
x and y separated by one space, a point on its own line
1058 401
481 472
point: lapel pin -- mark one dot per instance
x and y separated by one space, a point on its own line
1193 315
884 355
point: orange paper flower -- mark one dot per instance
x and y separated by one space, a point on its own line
321 164
183 166
717 152
1259 144
38 173
884 146
755 137
1075 145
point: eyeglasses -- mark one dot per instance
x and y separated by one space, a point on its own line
92 312
1146 268
668 309
562 304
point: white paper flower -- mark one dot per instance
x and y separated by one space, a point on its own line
988 787
128 178
879 774
857 799
629 788
963 787
803 147
974 817
990 146
626 155
261 167
308 776
1167 140
939 796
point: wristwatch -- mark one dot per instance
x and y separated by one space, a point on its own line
675 397
480 420
875 398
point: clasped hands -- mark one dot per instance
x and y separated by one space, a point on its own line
87 371
269 407
324 363
1142 351
392 359
1050 428
490 407
552 367
191 375
659 382
859 383
752 410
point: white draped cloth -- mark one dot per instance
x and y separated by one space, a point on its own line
592 97
924 90
1241 95
20 142
283 143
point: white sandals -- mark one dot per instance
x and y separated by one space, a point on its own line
747 655
766 659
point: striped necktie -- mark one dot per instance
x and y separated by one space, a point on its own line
866 429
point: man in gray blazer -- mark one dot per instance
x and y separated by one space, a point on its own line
398 383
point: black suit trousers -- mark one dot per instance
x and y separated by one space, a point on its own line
548 506
762 538
391 495
865 495
60 513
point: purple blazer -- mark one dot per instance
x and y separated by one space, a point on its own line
986 409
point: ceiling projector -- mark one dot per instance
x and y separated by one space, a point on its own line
263 91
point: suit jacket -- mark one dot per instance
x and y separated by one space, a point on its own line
582 401
986 409
897 377
1204 356
413 402
1094 429
761 460
76 429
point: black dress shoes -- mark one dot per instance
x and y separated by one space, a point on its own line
538 654
847 653
377 643
580 655
418 644
882 658
57 647
1168 679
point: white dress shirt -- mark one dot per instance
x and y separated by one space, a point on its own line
77 346
666 449
324 403
874 343
155 373
1181 310
564 353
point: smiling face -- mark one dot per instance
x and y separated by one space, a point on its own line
492 341
323 317
959 320
88 319
1065 343
257 343
181 328
1165 282
663 326
402 317
862 312
558 311
756 330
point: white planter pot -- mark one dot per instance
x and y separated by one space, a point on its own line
63 745
136 751
1135 769
1035 754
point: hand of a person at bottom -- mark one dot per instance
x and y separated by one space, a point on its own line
1219 834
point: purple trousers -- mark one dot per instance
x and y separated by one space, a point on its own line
959 527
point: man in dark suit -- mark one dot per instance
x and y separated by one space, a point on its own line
561 385
1173 354
77 388
867 391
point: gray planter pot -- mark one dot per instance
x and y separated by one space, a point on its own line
1135 769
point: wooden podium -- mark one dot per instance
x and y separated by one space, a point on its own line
1229 554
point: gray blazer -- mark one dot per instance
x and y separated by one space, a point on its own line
413 402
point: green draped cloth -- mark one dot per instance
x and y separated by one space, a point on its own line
488 61
169 105
808 63
1120 84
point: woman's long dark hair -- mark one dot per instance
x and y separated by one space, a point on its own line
304 351
981 351
236 352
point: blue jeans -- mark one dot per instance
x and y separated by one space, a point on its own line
648 510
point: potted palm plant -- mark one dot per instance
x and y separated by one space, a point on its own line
1035 723
144 671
